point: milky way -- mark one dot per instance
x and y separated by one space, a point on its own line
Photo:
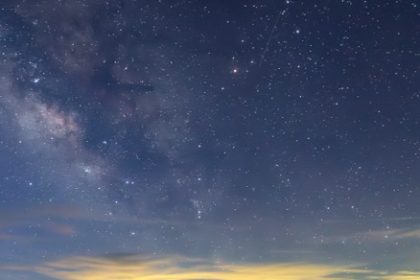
209 139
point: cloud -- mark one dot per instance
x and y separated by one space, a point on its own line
397 228
387 234
413 233
50 219
61 229
180 268
134 267
7 237
403 275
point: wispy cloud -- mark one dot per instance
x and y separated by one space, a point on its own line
396 228
180 268
403 275
52 219
412 233
391 234
134 267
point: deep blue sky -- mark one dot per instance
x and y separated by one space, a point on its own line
222 131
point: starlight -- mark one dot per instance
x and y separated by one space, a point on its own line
209 139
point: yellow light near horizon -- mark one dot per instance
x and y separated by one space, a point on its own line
170 269
181 268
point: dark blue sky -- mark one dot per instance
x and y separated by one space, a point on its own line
227 133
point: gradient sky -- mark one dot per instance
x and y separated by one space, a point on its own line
194 139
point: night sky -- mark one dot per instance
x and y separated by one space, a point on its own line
222 140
